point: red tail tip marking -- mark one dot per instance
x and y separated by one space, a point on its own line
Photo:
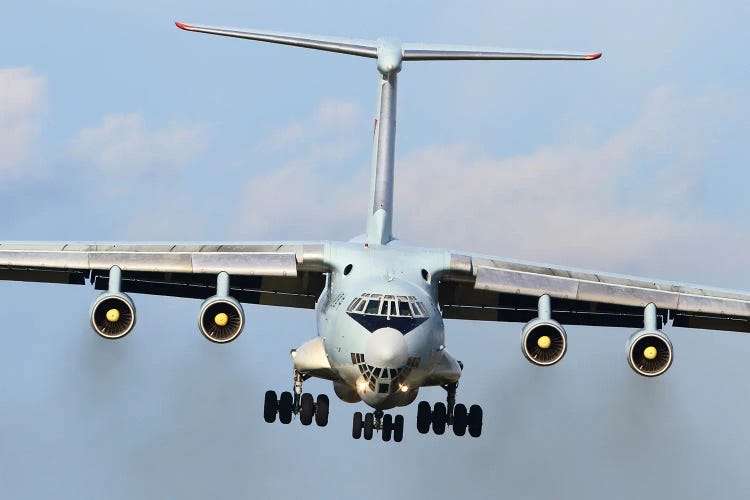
182 26
591 57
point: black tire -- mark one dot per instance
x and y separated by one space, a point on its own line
369 426
387 427
306 409
460 420
475 421
439 418
285 407
321 411
424 417
270 407
357 425
398 428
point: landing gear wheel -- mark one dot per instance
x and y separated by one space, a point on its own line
357 425
460 420
475 421
286 405
369 426
306 409
321 411
439 419
387 427
424 417
398 428
270 407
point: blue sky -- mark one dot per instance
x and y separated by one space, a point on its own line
115 125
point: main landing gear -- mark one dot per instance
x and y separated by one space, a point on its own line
302 404
449 414
388 425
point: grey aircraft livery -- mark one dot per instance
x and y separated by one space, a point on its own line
379 304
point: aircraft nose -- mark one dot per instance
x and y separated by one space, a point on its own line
386 348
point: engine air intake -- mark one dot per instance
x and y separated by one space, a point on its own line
113 315
544 343
221 319
650 353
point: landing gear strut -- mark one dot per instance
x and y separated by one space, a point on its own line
449 414
388 425
302 404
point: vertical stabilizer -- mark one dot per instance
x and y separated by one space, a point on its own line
380 217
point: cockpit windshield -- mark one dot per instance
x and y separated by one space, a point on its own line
388 305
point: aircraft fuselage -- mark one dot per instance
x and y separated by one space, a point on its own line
380 326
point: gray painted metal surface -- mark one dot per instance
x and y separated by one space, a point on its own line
613 289
239 263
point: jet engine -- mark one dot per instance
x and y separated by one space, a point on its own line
543 340
649 350
221 319
113 315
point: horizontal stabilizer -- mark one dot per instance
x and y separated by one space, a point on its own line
410 51
430 52
364 48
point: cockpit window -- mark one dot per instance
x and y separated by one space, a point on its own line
384 307
388 305
403 308
372 306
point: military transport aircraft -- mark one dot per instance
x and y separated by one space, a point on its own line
380 304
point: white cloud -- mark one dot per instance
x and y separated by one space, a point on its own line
332 115
619 202
122 143
21 103
630 202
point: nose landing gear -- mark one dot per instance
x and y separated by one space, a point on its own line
451 414
388 425
302 404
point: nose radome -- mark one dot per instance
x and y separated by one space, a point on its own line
386 348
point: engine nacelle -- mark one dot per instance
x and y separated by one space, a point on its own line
649 352
221 319
544 341
112 315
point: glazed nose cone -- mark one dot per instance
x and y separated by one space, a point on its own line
386 348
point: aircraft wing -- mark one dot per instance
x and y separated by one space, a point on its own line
486 288
282 274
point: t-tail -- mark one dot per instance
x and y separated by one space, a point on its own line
389 54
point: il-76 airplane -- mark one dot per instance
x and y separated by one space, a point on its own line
380 304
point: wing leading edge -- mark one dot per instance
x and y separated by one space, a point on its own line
284 274
499 290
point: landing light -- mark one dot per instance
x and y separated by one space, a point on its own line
404 388
361 386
